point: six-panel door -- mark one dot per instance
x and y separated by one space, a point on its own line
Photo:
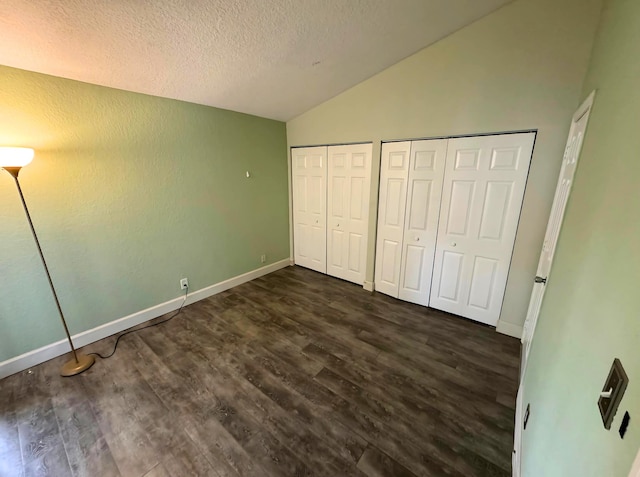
348 190
563 190
484 185
309 184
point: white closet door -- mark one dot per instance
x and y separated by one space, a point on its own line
484 185
424 192
348 211
309 170
394 171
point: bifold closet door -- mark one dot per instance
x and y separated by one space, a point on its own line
309 184
411 177
394 174
348 191
482 196
424 193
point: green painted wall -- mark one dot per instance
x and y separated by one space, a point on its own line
128 193
591 312
520 67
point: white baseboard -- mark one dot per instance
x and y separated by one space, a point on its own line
368 286
235 281
40 355
509 329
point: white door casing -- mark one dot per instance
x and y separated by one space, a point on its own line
394 171
484 185
309 171
563 190
635 469
424 194
349 185
517 435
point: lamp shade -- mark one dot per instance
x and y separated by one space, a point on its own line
15 156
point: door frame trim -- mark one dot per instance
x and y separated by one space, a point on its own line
635 468
458 136
583 109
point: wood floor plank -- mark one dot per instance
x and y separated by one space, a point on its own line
376 464
246 402
192 411
158 471
10 454
355 417
292 374
317 437
434 413
86 447
116 417
41 443
185 460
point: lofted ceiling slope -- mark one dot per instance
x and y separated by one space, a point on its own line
270 58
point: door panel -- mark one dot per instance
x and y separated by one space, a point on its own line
424 194
337 196
355 249
460 209
357 199
389 260
337 245
482 282
483 189
349 179
450 278
309 176
413 274
394 203
495 210
420 201
394 173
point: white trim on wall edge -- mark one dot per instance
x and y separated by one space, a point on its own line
516 459
635 470
509 329
368 286
40 355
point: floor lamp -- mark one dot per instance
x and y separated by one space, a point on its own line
12 160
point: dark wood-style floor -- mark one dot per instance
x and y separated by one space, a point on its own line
293 374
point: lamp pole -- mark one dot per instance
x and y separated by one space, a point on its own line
79 363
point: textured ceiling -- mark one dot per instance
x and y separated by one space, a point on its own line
271 58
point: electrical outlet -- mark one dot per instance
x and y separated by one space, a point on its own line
263 258
184 284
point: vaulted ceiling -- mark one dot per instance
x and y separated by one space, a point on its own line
271 58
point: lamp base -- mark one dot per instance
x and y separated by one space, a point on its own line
73 368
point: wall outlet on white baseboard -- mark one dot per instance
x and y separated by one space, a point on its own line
263 258
184 284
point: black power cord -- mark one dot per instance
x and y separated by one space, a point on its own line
115 347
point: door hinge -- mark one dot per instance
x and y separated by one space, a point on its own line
540 280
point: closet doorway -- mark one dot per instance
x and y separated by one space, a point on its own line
447 220
331 188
